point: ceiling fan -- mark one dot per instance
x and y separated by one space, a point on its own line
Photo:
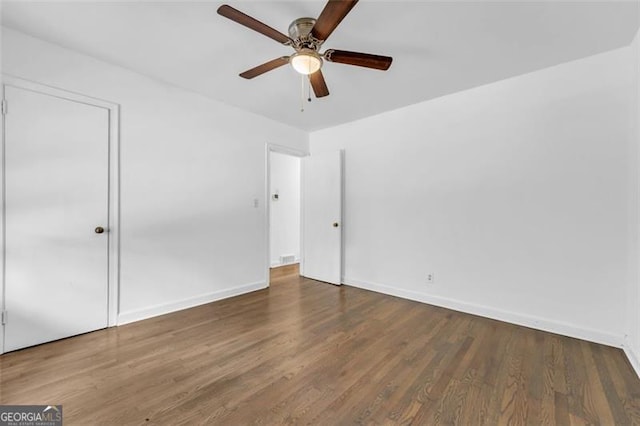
306 36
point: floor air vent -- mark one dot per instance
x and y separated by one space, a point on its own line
288 258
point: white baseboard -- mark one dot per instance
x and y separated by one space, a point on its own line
154 311
538 323
277 263
633 358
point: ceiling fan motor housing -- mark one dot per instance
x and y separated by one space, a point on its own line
301 28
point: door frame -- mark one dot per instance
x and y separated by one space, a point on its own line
113 226
269 148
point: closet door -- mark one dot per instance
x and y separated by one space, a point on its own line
56 218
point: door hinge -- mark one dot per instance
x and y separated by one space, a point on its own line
4 107
4 317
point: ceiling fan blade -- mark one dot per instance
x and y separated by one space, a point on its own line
319 85
249 22
267 66
332 14
359 59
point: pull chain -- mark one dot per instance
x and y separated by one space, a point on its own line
302 76
302 92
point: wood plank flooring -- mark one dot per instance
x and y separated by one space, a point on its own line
304 352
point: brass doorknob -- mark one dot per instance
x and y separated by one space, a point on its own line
335 224
99 230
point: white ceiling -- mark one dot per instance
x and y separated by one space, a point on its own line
438 47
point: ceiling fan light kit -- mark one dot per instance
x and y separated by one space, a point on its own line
306 61
306 36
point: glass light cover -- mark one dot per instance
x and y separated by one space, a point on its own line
306 62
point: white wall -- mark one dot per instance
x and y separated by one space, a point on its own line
191 168
285 212
632 345
513 194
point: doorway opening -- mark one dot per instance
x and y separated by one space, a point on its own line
284 211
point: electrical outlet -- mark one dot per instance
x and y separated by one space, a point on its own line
430 278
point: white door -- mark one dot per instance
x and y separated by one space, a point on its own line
322 217
56 195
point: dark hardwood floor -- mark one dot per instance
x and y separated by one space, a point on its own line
304 352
